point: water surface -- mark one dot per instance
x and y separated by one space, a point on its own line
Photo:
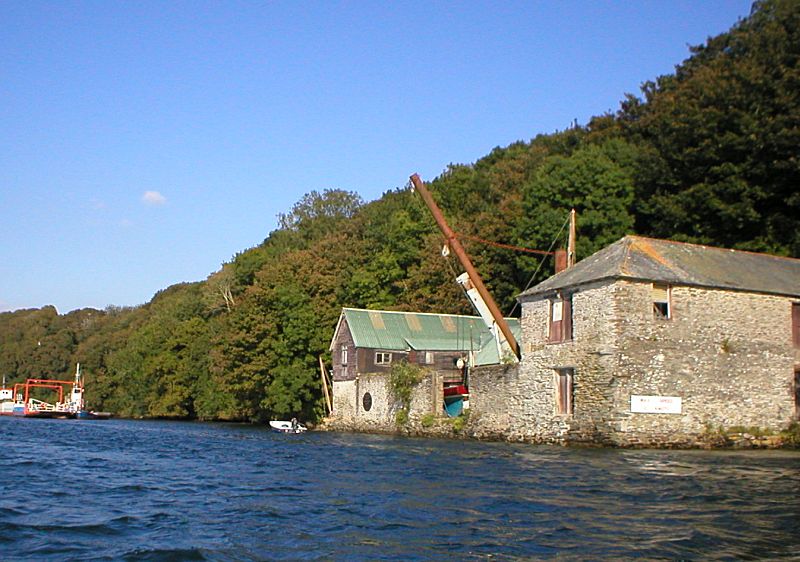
133 490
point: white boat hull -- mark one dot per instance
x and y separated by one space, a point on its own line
287 427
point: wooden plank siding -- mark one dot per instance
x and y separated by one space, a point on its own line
361 360
342 371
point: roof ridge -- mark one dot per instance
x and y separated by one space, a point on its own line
473 316
669 261
707 247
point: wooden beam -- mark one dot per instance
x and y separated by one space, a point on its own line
323 372
458 249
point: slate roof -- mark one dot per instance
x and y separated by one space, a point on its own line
402 331
677 263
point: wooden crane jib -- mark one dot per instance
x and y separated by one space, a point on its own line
461 254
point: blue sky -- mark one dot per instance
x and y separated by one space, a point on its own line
143 143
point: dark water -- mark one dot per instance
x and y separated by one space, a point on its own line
124 490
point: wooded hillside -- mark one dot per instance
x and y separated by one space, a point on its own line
707 154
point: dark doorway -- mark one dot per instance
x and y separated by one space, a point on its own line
797 393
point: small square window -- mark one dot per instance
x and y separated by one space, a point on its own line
383 358
660 296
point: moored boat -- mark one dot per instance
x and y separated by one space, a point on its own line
92 415
293 426
20 402
457 389
6 400
456 399
77 403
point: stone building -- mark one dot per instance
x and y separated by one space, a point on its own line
367 342
645 343
653 342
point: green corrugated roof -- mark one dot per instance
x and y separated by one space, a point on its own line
401 331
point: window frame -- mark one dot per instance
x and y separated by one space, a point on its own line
796 324
564 391
344 355
658 313
560 331
383 355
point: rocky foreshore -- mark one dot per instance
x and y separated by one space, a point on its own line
449 428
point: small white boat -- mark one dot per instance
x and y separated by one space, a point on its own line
288 426
6 400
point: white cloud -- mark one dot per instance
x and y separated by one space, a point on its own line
153 198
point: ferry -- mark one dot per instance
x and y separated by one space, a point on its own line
19 402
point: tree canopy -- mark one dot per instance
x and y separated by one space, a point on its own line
709 154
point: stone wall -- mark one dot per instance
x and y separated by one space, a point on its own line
591 352
344 399
726 354
349 411
495 402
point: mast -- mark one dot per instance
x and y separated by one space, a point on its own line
571 240
456 246
76 396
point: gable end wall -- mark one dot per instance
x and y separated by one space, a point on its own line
728 355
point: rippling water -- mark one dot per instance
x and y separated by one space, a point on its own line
126 490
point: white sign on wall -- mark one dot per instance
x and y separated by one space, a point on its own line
558 311
655 404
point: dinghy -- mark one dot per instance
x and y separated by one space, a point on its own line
287 426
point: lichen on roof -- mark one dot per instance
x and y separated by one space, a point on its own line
678 263
405 331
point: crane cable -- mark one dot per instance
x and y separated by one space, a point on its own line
541 263
549 252
410 186
504 246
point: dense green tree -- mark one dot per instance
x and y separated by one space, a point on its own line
595 180
318 214
723 133
707 154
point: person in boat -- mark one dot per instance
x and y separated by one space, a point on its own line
294 423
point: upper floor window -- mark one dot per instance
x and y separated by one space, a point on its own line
660 296
560 325
796 323
383 358
344 355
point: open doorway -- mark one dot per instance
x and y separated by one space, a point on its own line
797 393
